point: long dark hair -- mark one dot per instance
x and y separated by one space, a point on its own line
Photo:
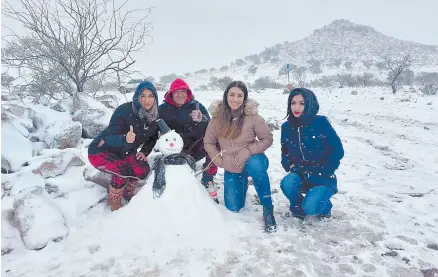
229 128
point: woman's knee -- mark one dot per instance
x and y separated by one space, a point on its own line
257 164
291 183
317 200
234 191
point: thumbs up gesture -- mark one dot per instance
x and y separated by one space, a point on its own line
196 114
130 136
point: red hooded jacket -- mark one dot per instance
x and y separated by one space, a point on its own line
176 85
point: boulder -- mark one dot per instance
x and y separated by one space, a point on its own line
38 219
63 134
93 121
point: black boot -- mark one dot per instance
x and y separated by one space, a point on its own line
268 218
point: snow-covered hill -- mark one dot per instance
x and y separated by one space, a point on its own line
341 47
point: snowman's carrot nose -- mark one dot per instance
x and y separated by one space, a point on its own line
171 145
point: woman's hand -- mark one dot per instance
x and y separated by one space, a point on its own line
130 136
141 156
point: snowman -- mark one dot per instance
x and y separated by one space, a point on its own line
170 145
173 195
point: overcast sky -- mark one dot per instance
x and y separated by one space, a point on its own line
195 34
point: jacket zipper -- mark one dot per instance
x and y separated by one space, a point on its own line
301 150
234 155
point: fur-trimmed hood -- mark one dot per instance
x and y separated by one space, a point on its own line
251 107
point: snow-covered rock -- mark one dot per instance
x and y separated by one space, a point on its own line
38 147
63 134
93 121
56 163
16 149
19 116
91 174
38 219
109 100
6 188
22 181
10 237
82 101
63 105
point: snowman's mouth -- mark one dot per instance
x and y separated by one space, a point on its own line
173 149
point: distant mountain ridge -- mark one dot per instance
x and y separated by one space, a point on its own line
332 46
353 42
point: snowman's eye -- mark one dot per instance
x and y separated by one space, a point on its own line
174 139
167 140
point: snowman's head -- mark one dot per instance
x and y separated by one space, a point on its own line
170 143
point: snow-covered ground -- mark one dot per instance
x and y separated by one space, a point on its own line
382 224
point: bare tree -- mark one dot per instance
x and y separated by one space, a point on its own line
85 38
222 83
395 66
335 62
365 78
7 81
367 63
315 65
300 75
252 69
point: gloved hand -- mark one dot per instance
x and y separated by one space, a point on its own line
299 169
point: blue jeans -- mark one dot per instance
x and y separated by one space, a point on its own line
316 201
236 184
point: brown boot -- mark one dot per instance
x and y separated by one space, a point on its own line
129 190
115 197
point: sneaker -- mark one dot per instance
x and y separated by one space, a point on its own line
212 190
268 218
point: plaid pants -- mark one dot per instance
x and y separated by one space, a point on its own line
121 169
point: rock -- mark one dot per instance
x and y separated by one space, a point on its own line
426 128
345 268
43 100
408 240
390 254
430 103
38 219
26 181
368 268
98 177
51 189
63 105
20 117
63 135
5 97
93 121
354 92
38 147
433 246
109 100
406 260
82 101
394 246
431 272
6 167
6 188
273 126
12 140
382 98
57 164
